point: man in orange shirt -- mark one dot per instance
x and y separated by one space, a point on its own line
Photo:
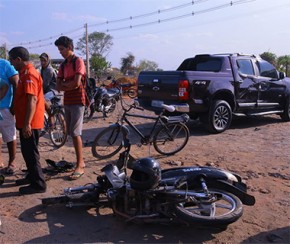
29 114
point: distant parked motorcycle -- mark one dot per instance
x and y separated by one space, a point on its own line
124 89
190 195
100 100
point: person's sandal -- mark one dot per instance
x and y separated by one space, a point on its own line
10 170
75 175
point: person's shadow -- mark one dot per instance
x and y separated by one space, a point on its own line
82 225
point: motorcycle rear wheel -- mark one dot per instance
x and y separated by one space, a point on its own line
132 93
222 212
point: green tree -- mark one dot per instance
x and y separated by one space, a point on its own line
99 65
283 64
127 67
146 65
3 52
99 44
270 57
34 56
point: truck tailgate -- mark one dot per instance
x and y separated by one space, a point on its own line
159 86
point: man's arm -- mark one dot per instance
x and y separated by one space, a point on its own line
72 84
14 81
31 107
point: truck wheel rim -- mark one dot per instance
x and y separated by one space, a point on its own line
221 117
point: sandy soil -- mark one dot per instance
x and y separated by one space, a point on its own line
255 148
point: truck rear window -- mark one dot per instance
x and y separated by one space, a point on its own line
201 64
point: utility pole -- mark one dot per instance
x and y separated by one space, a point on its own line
87 51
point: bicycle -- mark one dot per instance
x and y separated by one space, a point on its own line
57 131
168 135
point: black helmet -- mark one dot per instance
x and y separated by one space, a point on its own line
146 174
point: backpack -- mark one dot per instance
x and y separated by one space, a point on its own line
86 82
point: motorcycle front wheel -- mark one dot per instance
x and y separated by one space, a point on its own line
112 106
88 113
225 209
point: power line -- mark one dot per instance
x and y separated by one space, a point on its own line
110 22
159 21
48 38
149 14
132 18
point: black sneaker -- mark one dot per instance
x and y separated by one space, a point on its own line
22 182
25 190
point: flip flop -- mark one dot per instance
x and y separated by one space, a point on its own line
10 170
75 175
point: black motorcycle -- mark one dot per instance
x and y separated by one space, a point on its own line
191 195
100 100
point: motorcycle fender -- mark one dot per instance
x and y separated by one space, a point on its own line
194 173
228 187
113 174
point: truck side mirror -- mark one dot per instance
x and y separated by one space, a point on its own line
281 75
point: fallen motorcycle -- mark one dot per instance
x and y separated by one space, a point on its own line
191 195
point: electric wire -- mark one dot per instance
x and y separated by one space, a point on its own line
39 43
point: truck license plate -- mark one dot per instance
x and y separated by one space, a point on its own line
156 103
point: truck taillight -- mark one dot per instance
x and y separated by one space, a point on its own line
183 90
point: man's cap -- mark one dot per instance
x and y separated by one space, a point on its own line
44 56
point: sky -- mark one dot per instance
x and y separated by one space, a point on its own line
163 31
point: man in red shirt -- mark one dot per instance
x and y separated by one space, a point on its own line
29 114
70 79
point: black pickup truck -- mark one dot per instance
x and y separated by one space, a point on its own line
215 87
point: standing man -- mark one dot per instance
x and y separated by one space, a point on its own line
8 83
29 113
48 76
70 79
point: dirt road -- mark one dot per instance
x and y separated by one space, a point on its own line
255 148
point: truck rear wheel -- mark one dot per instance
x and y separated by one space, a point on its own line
219 117
285 116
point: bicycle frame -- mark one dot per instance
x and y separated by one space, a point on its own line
144 138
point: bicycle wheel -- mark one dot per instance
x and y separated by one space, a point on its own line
43 130
108 142
132 93
171 138
58 133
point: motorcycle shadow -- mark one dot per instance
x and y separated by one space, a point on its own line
83 225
